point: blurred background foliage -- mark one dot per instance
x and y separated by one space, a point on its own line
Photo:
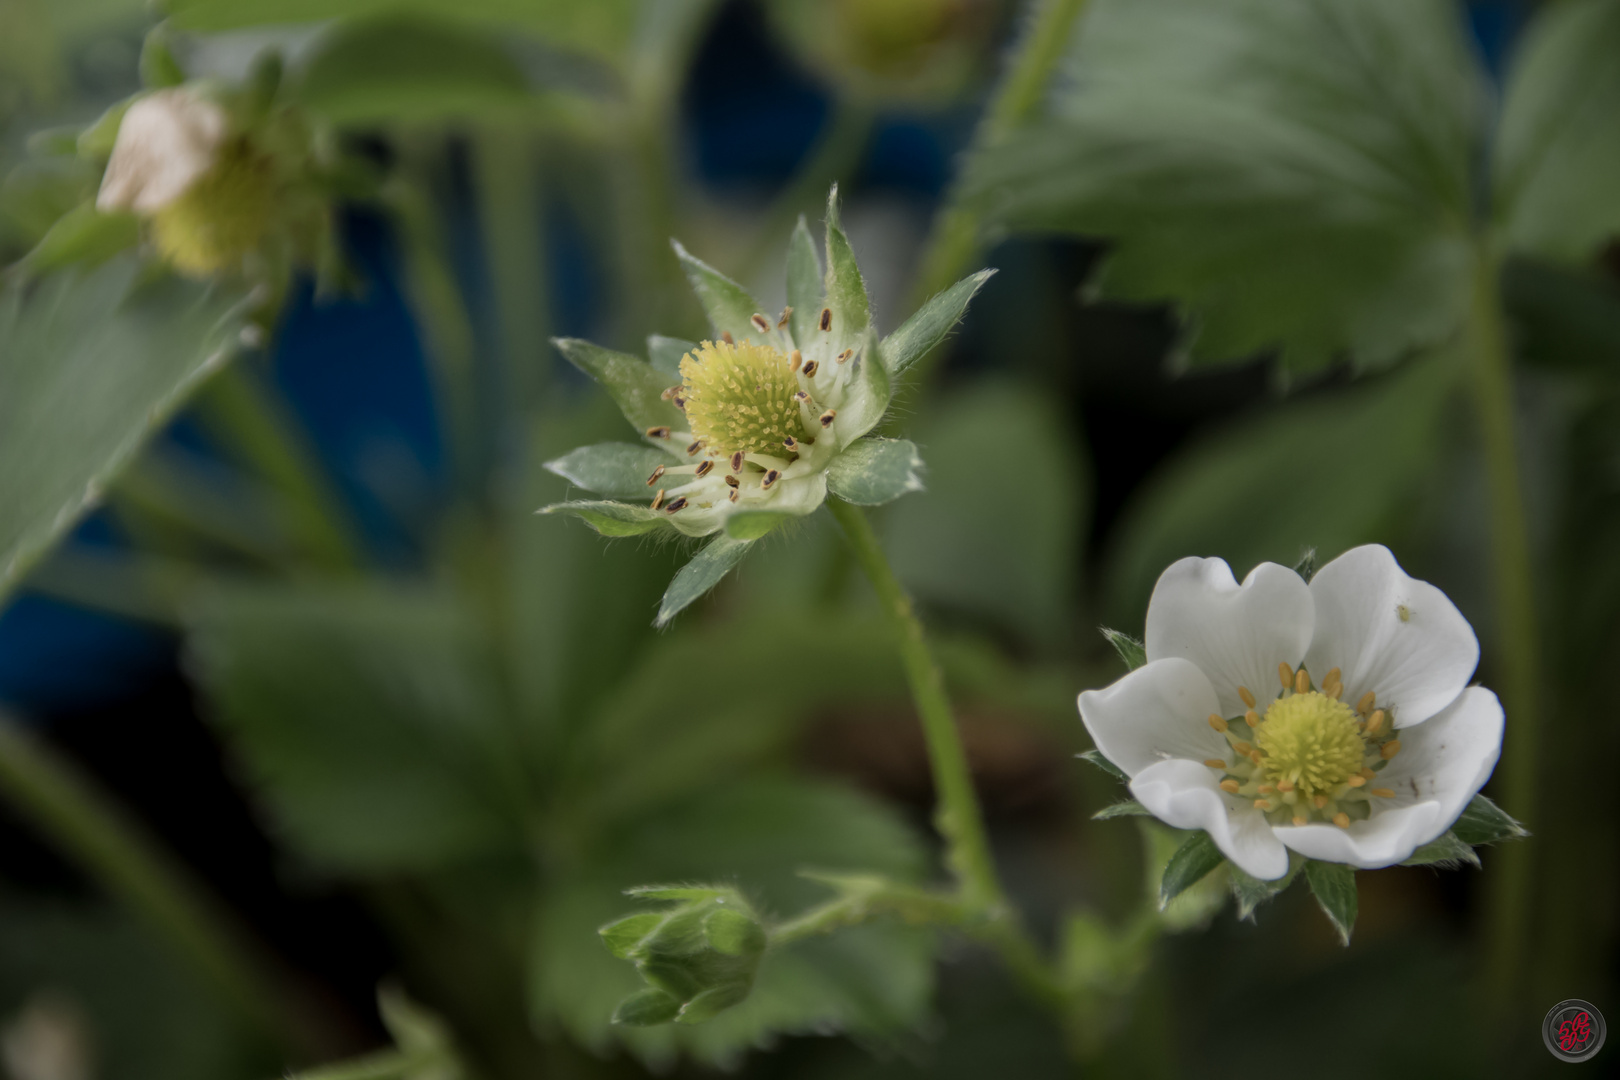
293 615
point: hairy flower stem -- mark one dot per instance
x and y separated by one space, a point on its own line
958 817
88 828
1517 638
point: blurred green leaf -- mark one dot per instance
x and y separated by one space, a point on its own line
997 531
1483 822
702 953
869 981
633 383
728 305
697 577
82 235
1194 860
845 288
1335 888
615 469
1557 154
1325 473
1131 651
1447 851
613 518
369 719
875 471
1563 318
665 354
405 69
91 363
1291 176
804 283
930 324
159 69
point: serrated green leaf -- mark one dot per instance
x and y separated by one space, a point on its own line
91 362
729 306
697 577
845 288
875 471
413 69
929 325
1334 886
1131 651
1483 822
1096 758
803 283
753 524
635 385
1250 892
622 937
615 469
1125 808
665 355
1447 851
82 235
1292 176
613 518
646 1008
1557 154
1194 860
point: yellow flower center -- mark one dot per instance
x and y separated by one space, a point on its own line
1310 740
741 398
221 217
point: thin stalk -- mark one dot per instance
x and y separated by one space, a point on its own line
957 230
102 839
1518 641
958 816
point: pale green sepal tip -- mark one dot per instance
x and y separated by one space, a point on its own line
700 575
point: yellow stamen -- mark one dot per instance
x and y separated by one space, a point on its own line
1302 681
1334 675
1375 722
1251 718
1243 748
1217 723
1367 774
1319 801
1300 819
1267 789
1356 781
1262 804
1342 820
1390 749
1286 674
1215 763
1364 706
1381 792
1285 785
1230 786
1248 698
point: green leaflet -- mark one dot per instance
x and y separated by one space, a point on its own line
1195 859
1124 808
1483 822
697 577
1557 153
1447 851
1335 888
1250 892
619 470
1095 757
633 383
91 363
613 518
846 290
1130 650
1292 176
82 235
804 283
728 305
927 327
875 471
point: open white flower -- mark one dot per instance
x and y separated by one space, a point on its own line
1224 729
167 141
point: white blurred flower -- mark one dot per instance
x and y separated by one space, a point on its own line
1363 767
167 141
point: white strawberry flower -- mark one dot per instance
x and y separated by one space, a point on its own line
167 141
1333 719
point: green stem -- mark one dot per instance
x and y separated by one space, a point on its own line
1518 641
383 1065
131 866
956 235
958 817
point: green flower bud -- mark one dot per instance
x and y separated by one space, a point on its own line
222 216
698 957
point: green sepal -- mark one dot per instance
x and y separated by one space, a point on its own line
875 471
1447 851
1306 566
1095 757
700 575
753 524
929 324
1483 822
803 284
728 305
614 469
1251 892
644 1008
665 354
868 396
845 288
82 235
623 937
634 385
613 518
713 1002
1334 885
733 933
159 69
1130 650
1124 808
1194 860
96 141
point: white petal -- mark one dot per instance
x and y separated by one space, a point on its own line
1187 795
1394 635
1442 764
1160 710
1236 634
166 141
